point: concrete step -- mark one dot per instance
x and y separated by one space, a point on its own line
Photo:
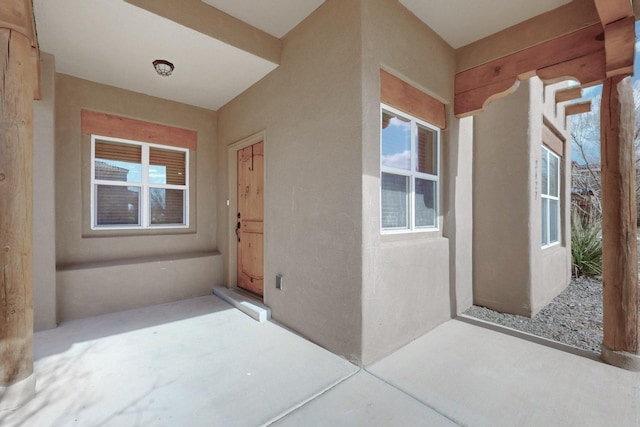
243 302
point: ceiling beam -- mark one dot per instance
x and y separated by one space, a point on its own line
564 20
591 54
579 55
577 108
613 10
201 17
619 46
568 94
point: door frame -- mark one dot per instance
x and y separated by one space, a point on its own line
232 206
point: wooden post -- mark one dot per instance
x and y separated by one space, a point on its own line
619 213
16 198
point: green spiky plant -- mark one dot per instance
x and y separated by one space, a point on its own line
586 246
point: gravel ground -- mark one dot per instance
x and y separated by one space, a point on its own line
574 317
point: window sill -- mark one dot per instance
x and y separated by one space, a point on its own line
550 251
131 232
405 235
551 246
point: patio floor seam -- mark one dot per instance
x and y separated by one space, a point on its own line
417 399
310 399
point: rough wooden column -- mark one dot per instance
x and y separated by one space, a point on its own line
619 213
16 198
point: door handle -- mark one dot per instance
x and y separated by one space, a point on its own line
238 231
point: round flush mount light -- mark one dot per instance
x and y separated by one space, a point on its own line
163 67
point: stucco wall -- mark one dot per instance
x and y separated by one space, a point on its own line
406 277
77 247
503 183
553 263
310 109
44 231
512 273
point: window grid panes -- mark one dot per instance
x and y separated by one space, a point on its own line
409 172
138 185
550 200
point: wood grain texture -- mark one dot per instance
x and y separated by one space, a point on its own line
474 101
613 10
552 140
251 218
571 46
16 201
589 70
121 127
552 60
619 214
407 98
577 108
568 94
17 15
619 43
566 19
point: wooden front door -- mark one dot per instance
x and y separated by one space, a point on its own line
250 224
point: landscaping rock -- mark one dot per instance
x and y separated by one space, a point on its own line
574 317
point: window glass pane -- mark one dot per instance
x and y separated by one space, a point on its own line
118 162
395 201
554 221
396 141
167 166
545 172
427 161
554 185
545 219
425 203
167 206
117 205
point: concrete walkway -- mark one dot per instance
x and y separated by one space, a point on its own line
201 363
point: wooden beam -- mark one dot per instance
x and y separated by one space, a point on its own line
17 15
619 44
557 51
579 55
568 94
619 215
577 108
16 199
589 70
569 18
403 96
122 127
474 101
613 10
552 140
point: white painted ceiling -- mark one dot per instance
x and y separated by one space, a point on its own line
461 22
276 17
114 43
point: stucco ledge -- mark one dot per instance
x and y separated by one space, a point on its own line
621 359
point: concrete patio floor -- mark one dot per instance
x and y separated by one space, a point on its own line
200 362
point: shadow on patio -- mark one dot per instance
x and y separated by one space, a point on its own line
200 363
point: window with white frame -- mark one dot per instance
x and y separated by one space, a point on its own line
409 172
138 185
550 198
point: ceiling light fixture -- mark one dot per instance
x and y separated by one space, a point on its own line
163 67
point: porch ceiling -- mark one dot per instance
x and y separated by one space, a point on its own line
460 22
219 47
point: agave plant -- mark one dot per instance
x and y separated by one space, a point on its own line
586 246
